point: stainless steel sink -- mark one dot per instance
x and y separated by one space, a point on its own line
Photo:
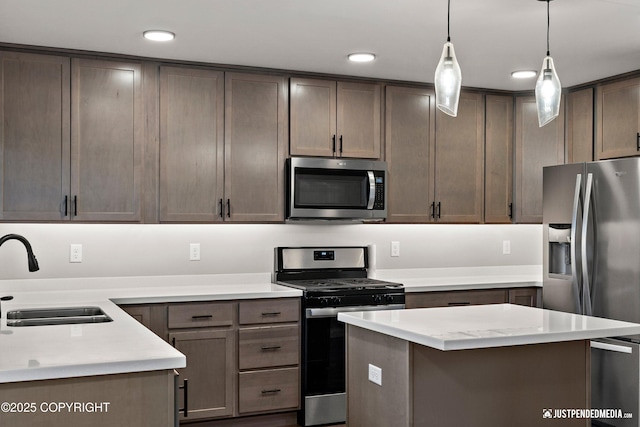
56 316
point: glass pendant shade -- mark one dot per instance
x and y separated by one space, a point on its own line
448 80
548 92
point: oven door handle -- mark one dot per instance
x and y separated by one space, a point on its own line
372 189
333 311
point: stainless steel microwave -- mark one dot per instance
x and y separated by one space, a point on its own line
334 189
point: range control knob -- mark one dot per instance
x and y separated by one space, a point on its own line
377 299
324 301
388 298
336 300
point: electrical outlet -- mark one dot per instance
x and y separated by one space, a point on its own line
375 374
395 248
506 247
75 252
194 252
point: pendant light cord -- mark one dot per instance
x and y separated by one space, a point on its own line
548 24
448 18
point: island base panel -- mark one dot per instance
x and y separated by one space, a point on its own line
502 386
492 387
369 404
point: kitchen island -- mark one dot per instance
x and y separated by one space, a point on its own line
490 365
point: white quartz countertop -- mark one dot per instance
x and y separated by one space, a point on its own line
464 278
121 346
482 326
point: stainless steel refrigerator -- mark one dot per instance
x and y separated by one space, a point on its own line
591 228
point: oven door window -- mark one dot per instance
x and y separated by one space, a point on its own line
325 356
331 189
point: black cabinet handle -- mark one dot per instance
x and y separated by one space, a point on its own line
439 206
75 205
185 394
511 210
453 304
270 348
221 208
271 313
433 210
202 316
228 208
271 391
341 145
173 341
333 138
638 142
66 206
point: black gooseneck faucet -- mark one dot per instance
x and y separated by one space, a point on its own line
31 258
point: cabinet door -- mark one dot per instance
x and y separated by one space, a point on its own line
191 144
525 296
255 147
459 169
498 206
313 117
618 106
34 136
358 120
106 140
210 372
410 130
580 126
536 147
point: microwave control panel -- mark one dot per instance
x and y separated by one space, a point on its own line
378 204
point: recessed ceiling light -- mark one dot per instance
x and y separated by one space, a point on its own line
523 74
361 57
159 35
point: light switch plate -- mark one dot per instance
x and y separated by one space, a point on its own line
506 247
395 249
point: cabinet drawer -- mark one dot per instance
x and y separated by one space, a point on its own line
454 298
268 346
269 311
268 390
200 315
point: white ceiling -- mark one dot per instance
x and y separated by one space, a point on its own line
590 39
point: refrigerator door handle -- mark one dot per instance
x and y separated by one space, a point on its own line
611 347
586 292
574 250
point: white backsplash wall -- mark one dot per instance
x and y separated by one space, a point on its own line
111 250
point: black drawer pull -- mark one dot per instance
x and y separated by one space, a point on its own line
185 390
271 391
270 348
459 303
272 313
638 142
202 317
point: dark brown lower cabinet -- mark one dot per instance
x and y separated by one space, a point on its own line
243 359
529 296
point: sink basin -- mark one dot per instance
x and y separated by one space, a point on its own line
56 316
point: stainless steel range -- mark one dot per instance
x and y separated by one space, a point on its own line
333 280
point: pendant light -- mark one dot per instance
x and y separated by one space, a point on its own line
448 78
548 88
